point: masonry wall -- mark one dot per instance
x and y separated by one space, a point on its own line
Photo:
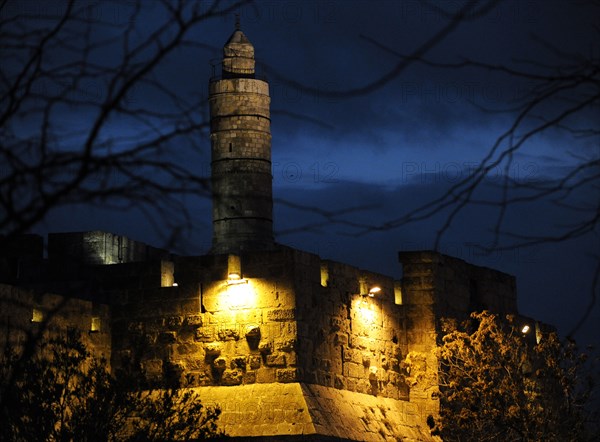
436 286
212 331
349 340
25 315
454 286
96 247
283 323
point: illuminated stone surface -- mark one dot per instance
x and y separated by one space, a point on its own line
304 409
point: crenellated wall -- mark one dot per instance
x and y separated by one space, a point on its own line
26 317
299 337
98 248
348 339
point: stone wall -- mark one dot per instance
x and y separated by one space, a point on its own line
455 286
278 323
27 316
436 286
349 340
262 321
215 331
96 247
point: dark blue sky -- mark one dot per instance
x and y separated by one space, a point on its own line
396 147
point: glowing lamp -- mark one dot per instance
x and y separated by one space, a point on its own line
525 329
374 290
235 278
175 284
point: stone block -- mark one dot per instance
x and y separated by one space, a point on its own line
228 334
275 360
152 367
366 360
187 349
193 320
204 335
340 339
265 375
265 348
238 362
213 349
351 384
254 362
220 364
281 315
288 345
232 377
249 377
167 337
287 375
355 370
173 322
336 324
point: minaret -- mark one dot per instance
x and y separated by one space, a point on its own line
240 134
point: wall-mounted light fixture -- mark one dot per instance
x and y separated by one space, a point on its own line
365 290
235 279
525 329
374 290
234 271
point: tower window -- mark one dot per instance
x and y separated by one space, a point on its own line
230 147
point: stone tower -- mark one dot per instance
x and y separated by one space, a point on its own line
241 152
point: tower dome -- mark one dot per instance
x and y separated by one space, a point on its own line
238 56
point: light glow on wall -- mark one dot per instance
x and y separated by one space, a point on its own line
241 294
365 312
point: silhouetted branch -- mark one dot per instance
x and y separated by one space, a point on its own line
125 148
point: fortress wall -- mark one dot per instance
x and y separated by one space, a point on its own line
215 331
25 314
347 339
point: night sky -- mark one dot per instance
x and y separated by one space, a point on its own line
394 148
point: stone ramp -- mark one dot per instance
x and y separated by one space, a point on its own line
296 411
